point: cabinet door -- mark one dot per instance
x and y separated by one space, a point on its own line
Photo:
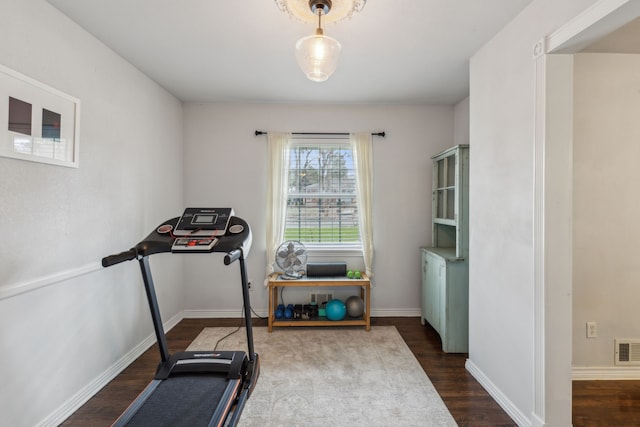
432 290
424 300
450 200
445 188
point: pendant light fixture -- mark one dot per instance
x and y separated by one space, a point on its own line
317 54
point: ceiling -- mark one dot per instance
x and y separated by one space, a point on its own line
396 52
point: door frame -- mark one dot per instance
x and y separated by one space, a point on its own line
553 157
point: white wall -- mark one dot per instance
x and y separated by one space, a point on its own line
66 321
501 288
606 204
225 164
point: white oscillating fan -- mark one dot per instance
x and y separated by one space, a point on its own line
291 257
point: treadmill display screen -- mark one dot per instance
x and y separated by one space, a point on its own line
203 222
204 219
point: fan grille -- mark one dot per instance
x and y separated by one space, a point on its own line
291 257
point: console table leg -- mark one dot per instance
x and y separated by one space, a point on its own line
271 308
367 314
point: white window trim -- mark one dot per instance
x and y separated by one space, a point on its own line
326 250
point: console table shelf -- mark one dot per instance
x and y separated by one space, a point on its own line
276 282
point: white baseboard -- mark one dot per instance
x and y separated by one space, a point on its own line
218 314
516 415
236 313
87 392
605 373
396 312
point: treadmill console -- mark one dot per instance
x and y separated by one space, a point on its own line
203 222
193 244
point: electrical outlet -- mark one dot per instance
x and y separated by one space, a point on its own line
319 298
592 330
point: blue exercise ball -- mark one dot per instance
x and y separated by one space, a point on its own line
355 306
336 310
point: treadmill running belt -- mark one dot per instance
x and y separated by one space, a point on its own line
182 400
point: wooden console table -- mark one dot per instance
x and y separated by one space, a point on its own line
276 282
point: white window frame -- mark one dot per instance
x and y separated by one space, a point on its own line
328 250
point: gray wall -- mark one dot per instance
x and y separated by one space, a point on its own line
66 323
606 205
220 148
461 122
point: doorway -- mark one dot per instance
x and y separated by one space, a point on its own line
554 244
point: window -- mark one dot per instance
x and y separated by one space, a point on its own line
322 207
319 191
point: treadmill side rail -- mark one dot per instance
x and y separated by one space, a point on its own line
133 408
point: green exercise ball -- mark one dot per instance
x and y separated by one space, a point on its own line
336 310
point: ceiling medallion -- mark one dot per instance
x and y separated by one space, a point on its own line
340 10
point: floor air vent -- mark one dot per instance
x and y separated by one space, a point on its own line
627 351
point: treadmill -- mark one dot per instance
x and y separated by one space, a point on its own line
193 388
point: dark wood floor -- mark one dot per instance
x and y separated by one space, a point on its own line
595 403
606 403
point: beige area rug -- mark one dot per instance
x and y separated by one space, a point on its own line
334 377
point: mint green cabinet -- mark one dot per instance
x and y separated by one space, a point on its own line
445 264
445 297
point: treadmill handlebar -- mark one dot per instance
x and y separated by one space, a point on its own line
110 260
234 244
232 256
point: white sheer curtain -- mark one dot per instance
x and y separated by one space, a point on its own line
362 148
277 191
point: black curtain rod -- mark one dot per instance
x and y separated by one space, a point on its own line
381 134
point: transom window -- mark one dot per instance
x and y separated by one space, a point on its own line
322 207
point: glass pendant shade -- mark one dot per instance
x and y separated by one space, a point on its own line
317 56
